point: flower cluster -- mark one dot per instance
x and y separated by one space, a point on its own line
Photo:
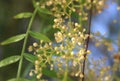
65 7
67 52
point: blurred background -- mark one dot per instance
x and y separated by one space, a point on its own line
9 27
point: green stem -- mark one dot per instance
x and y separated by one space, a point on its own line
25 42
81 10
66 73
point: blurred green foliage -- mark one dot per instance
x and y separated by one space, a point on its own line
10 27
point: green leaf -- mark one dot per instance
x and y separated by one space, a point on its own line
13 39
69 79
39 36
9 60
41 10
44 10
49 73
23 15
31 58
53 74
21 79
27 69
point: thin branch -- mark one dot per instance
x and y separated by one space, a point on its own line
24 44
87 40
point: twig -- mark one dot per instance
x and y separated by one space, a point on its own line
24 44
88 38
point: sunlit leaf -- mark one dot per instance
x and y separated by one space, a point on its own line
31 58
39 36
23 15
13 39
20 79
44 10
9 60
